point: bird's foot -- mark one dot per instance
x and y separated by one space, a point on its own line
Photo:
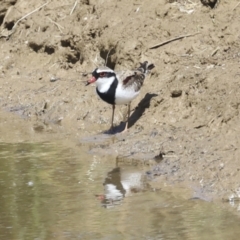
117 129
112 130
124 131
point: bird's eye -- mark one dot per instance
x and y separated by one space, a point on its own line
102 74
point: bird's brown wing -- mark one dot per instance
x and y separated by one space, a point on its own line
132 79
135 78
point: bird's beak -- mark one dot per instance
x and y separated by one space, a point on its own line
92 80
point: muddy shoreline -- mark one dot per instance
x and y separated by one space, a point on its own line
188 109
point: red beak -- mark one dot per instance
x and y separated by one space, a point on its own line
92 80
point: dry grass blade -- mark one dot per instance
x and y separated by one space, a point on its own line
172 40
236 6
107 56
25 16
75 4
58 25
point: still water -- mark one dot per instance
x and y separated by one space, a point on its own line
49 191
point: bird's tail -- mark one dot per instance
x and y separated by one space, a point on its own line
145 67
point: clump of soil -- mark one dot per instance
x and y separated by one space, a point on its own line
188 107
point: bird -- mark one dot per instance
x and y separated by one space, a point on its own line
118 88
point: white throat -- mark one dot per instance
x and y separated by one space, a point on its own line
104 83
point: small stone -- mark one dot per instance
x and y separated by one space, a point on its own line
38 127
221 166
54 79
67 100
209 3
176 93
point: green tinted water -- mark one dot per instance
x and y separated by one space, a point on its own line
48 192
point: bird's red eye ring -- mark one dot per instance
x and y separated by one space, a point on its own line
102 74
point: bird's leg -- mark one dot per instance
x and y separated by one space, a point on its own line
128 115
113 109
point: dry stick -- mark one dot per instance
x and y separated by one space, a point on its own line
215 51
172 40
75 4
58 25
19 20
236 6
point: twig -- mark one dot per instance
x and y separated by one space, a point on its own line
58 25
25 16
85 115
215 51
74 6
236 6
53 65
172 40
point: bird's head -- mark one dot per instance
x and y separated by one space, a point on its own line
101 74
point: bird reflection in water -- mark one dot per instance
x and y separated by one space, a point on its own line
119 184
